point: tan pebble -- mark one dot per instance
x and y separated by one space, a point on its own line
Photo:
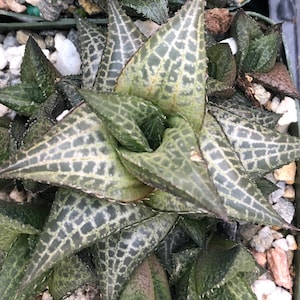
291 241
14 6
18 196
286 173
289 192
23 35
260 257
90 7
279 267
277 234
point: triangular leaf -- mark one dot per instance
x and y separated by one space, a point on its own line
22 98
123 40
148 282
260 149
124 116
68 275
92 42
76 221
156 10
131 246
80 153
170 68
36 68
176 167
241 197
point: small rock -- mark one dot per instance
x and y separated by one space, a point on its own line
279 294
3 60
291 241
50 10
278 265
260 257
260 93
18 196
285 209
90 7
232 44
262 288
289 192
281 243
49 40
274 104
23 35
33 2
68 60
4 79
286 173
46 296
10 41
287 107
4 110
276 195
277 235
12 5
263 240
247 231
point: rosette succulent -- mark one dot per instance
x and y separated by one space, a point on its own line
158 148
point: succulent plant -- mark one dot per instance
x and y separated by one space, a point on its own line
127 189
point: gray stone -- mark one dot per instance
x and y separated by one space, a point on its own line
285 209
262 240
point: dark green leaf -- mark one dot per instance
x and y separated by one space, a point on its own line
170 68
75 222
125 117
131 246
123 40
78 152
177 167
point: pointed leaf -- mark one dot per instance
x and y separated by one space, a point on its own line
92 43
77 152
148 282
260 149
4 143
176 167
131 246
13 270
76 221
244 29
37 69
123 40
215 266
156 10
124 116
22 98
241 197
68 275
262 53
221 64
170 68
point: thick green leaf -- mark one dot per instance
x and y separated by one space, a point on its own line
131 246
239 193
123 40
156 10
4 143
170 68
22 98
125 116
68 275
76 221
262 54
92 43
216 266
221 64
177 167
78 152
218 88
37 69
148 282
13 270
244 29
260 149
230 291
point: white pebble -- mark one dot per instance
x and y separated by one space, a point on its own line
261 94
285 209
3 60
68 59
14 55
262 288
275 103
10 41
281 243
4 110
279 294
62 115
287 107
292 244
232 44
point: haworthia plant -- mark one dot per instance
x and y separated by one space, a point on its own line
149 159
